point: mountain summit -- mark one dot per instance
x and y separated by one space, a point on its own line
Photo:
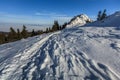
79 20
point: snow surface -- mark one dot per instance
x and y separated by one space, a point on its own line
77 53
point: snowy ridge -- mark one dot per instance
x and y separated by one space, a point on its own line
111 21
79 20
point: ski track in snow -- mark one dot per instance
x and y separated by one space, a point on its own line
58 57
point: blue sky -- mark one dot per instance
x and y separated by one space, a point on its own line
46 11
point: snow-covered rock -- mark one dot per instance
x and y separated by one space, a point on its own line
111 21
79 20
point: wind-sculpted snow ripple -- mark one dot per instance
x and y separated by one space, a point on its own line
59 61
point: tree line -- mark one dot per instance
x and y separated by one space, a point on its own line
14 35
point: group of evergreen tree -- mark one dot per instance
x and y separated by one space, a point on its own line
2 38
17 35
101 15
55 27
13 35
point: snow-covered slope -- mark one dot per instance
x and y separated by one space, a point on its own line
111 21
79 20
78 53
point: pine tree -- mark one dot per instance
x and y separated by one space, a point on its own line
19 36
47 30
99 16
60 28
64 25
12 34
2 38
104 15
24 32
33 33
55 26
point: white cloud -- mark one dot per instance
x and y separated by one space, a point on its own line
44 14
48 14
